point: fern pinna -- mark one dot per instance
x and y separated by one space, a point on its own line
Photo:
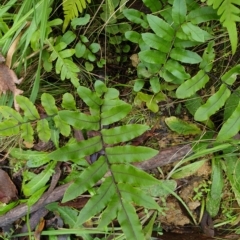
71 8
229 14
122 188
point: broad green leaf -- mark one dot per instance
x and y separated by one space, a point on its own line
9 112
97 202
231 104
134 176
135 16
68 37
9 127
111 103
231 126
152 56
176 69
182 127
48 103
68 102
38 181
87 179
94 47
142 70
111 93
153 5
215 194
100 87
155 84
89 97
191 86
185 56
68 214
195 33
137 196
160 27
66 53
153 41
110 212
213 104
80 120
202 14
179 11
169 77
180 43
43 130
63 127
152 105
34 158
78 150
27 132
188 170
138 85
230 76
208 58
81 21
128 219
150 100
80 49
27 106
128 154
122 133
133 36
115 114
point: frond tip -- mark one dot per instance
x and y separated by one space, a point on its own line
229 13
71 9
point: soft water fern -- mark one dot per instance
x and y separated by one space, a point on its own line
71 8
230 14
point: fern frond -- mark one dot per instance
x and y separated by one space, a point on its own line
71 9
230 14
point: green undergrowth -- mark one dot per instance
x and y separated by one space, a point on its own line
126 184
181 59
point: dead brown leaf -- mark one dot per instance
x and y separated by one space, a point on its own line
8 190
